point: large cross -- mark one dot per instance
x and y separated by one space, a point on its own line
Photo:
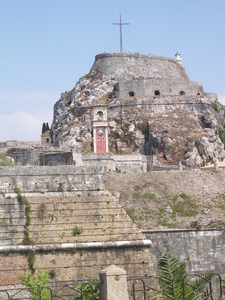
121 40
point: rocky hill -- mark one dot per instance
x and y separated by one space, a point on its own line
152 105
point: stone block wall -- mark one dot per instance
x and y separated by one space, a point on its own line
146 87
76 231
24 156
49 179
202 250
38 157
132 65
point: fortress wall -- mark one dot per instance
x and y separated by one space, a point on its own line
144 106
50 179
147 87
75 265
133 64
104 234
202 250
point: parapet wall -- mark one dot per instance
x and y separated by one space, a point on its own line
50 179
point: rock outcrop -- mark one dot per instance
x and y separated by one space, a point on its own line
153 107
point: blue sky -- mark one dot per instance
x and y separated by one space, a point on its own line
47 45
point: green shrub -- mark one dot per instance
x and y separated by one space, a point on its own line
184 196
222 136
149 196
131 214
143 128
207 160
87 290
36 285
215 106
5 161
77 231
136 195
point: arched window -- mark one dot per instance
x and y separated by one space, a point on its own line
100 115
131 94
182 93
156 93
198 94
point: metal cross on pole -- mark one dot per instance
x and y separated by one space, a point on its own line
120 24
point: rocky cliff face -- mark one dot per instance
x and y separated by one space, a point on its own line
153 107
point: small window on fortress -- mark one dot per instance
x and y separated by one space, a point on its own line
198 94
47 140
156 93
182 93
131 94
100 115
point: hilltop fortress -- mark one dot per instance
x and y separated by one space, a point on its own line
152 107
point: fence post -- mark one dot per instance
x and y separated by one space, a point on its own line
113 284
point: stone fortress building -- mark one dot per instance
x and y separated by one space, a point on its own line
152 107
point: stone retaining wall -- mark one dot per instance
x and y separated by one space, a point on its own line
76 227
202 250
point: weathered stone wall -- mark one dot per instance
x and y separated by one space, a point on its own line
74 265
202 250
136 65
50 179
40 157
147 87
75 228
24 156
124 163
55 159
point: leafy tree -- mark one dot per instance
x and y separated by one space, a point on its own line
174 280
36 285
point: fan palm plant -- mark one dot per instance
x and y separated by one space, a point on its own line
175 282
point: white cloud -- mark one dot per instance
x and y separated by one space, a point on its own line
23 126
221 99
22 115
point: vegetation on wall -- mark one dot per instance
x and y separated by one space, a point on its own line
77 231
215 106
30 254
144 129
23 200
222 136
5 161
